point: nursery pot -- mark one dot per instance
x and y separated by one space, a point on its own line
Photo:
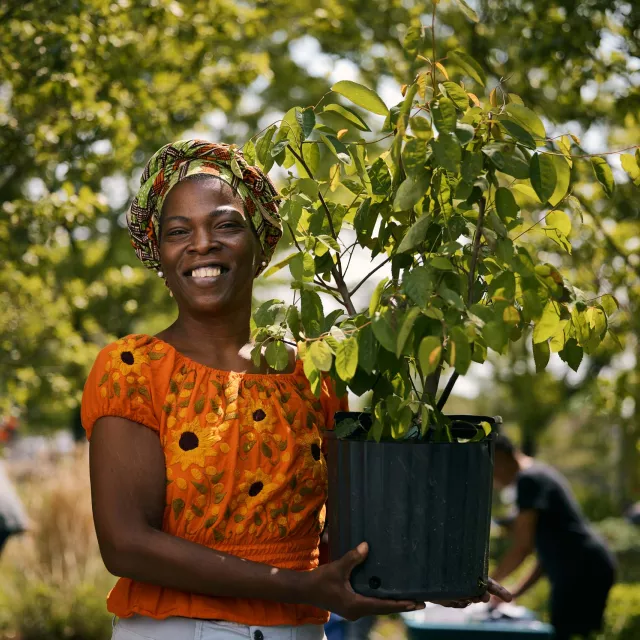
423 507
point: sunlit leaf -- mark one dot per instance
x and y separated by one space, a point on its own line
348 114
526 119
468 65
362 96
543 176
347 358
603 174
429 354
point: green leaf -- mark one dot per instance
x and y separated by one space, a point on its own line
311 155
572 354
447 151
362 96
414 156
348 114
442 263
609 304
548 324
405 330
263 148
468 65
515 164
312 313
307 121
416 235
496 335
429 354
468 11
347 359
374 303
457 95
249 152
460 350
367 349
421 128
384 332
277 355
559 221
267 312
543 176
506 204
410 192
563 179
321 355
444 115
630 165
541 354
279 265
380 178
453 298
471 166
278 148
526 119
418 285
414 40
464 133
517 132
603 174
338 148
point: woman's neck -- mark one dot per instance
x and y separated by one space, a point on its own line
214 342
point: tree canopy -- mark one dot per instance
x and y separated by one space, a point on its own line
90 88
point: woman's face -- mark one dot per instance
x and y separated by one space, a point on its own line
209 252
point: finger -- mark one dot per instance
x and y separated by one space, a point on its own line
384 607
353 558
498 590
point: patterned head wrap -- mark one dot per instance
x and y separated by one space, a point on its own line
175 162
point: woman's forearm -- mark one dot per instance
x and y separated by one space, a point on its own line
160 558
514 557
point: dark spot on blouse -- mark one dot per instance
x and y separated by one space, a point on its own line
315 451
127 357
259 415
255 489
188 441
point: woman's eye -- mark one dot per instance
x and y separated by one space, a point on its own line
176 232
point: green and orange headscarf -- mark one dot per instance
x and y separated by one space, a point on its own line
175 162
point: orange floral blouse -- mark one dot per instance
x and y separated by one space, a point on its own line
245 471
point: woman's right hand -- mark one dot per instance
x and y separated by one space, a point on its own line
329 588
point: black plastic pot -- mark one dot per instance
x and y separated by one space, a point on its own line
423 507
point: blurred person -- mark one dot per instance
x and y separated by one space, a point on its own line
549 522
13 519
207 474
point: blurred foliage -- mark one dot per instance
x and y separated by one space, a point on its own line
90 88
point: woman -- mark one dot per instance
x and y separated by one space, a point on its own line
207 475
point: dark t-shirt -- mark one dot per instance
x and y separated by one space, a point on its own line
567 548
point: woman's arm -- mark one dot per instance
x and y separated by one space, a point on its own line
128 493
534 575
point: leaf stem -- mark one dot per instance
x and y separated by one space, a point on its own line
472 274
336 271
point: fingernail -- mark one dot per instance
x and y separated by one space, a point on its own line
411 607
419 607
363 547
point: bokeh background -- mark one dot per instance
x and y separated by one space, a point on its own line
89 89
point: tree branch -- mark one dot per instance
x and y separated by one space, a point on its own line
368 276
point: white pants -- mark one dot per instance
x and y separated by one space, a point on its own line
144 628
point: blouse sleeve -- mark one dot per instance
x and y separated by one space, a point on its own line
331 403
119 385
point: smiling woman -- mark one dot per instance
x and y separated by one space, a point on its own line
207 472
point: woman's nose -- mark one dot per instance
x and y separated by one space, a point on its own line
204 240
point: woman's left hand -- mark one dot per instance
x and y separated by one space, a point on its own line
495 592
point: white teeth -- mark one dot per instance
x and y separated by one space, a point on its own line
206 272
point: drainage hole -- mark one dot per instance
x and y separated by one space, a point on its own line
375 582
